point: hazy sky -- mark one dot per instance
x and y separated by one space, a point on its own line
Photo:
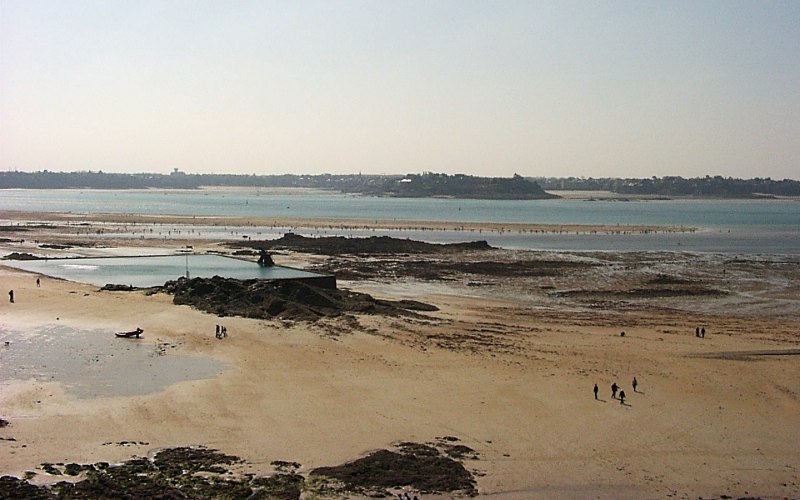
490 87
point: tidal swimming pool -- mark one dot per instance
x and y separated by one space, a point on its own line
154 270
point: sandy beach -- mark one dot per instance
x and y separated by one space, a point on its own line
506 365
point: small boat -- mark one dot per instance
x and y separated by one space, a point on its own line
128 335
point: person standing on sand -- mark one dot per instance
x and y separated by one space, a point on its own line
11 296
614 388
703 333
595 391
697 332
38 282
622 397
634 384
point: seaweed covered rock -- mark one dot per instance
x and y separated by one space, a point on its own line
203 473
15 488
284 299
22 256
174 473
419 466
373 245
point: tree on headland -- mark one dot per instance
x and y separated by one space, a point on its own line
427 184
411 185
708 186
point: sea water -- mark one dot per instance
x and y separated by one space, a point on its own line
745 226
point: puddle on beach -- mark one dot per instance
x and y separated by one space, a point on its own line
94 363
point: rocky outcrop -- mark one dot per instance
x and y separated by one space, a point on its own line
338 245
22 256
284 299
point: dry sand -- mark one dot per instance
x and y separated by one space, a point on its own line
512 381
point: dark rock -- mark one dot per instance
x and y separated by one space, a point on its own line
337 245
197 473
284 299
278 486
51 469
284 466
414 305
434 269
110 287
459 451
665 279
73 469
179 461
13 488
22 256
418 466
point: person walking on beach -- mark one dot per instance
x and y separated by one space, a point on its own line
634 384
703 333
38 282
697 332
622 397
614 388
11 296
595 391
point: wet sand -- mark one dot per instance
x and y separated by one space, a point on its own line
90 365
505 365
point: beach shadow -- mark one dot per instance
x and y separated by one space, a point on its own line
601 400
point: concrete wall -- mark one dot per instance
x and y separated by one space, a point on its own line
319 281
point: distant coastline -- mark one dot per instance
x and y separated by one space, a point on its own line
426 185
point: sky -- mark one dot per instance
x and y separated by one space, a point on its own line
490 88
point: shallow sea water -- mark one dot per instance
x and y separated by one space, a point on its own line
95 363
725 226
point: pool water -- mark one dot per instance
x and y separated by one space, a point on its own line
154 270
